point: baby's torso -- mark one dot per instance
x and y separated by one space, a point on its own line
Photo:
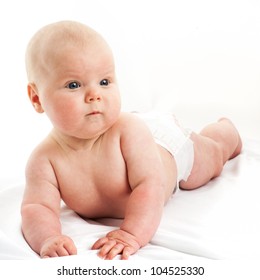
94 182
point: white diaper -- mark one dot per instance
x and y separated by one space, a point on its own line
175 139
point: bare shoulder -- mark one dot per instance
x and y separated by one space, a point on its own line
130 123
140 152
39 166
134 133
41 183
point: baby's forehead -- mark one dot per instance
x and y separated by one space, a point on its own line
48 44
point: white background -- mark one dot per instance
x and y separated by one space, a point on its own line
199 59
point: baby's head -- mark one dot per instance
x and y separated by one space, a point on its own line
50 41
71 76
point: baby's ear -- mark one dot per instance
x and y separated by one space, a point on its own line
34 97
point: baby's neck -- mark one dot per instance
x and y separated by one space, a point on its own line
73 143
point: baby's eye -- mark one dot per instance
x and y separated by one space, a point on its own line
104 82
73 85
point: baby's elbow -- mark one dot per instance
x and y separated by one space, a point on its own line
28 210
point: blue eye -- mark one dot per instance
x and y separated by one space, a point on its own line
104 82
73 85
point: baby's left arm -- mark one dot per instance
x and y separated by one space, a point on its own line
145 205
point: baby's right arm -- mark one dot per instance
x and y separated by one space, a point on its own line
40 210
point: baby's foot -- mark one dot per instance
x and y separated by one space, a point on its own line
238 148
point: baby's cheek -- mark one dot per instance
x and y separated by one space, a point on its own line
64 117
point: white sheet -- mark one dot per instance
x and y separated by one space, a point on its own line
217 221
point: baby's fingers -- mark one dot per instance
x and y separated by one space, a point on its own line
106 248
127 252
70 248
51 254
58 246
98 244
116 250
105 245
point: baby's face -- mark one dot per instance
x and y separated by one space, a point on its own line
79 92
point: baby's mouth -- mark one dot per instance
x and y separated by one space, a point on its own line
94 113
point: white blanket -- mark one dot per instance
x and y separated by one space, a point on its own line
217 221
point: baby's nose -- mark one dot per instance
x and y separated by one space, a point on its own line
93 96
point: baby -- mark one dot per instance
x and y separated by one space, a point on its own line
99 161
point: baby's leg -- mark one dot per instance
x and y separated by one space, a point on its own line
213 146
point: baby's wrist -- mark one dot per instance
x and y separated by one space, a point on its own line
141 238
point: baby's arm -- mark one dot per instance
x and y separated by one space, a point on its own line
40 211
145 205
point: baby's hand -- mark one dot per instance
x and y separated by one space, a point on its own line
58 246
116 242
